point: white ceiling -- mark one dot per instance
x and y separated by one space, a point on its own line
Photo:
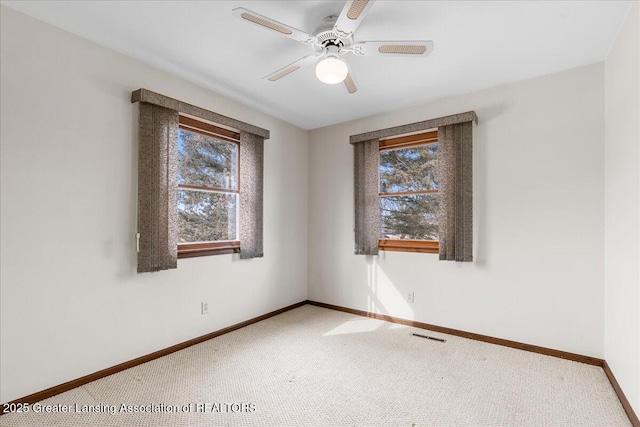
478 44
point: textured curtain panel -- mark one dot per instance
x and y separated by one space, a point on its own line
456 191
251 183
157 188
366 189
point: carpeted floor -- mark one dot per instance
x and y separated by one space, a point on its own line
317 367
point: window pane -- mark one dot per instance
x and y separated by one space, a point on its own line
205 216
412 217
207 161
409 169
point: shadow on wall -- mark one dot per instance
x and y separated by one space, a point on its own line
481 165
129 263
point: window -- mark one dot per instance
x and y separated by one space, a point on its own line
234 153
208 189
408 193
396 190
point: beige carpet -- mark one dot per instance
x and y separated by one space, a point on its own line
317 367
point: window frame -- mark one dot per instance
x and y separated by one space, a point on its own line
399 142
218 247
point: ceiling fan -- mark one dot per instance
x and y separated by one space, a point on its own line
334 38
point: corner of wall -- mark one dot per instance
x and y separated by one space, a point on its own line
622 207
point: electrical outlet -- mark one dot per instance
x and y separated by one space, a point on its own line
411 297
204 307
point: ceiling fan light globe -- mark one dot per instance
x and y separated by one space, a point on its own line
332 71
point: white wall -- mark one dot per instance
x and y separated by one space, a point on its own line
538 219
622 208
72 303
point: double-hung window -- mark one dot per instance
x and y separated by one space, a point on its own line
408 194
208 189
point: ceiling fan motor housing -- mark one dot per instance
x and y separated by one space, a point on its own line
326 35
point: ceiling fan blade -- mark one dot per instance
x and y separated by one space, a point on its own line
350 84
270 24
417 48
351 16
294 66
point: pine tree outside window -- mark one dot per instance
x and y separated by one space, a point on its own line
230 188
208 189
408 194
418 200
